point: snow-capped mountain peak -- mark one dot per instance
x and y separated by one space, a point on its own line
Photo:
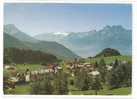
61 33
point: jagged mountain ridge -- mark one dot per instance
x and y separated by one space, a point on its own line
92 42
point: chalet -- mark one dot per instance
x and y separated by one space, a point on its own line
13 79
109 67
94 73
59 68
124 62
8 67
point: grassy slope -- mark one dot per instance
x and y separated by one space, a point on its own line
32 67
10 41
25 90
118 91
112 58
19 90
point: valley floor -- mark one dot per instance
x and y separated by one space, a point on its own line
25 90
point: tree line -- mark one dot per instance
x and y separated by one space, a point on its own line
119 76
21 56
56 84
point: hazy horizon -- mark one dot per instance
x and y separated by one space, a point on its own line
35 19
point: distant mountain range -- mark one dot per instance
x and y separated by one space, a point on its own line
13 37
71 45
92 42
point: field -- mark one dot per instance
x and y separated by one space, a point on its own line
111 59
26 88
20 90
119 91
22 67
32 67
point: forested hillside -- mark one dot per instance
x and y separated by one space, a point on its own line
22 56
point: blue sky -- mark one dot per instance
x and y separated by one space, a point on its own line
42 18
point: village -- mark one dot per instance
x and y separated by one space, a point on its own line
29 76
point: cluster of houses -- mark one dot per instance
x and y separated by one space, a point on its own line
30 76
90 68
